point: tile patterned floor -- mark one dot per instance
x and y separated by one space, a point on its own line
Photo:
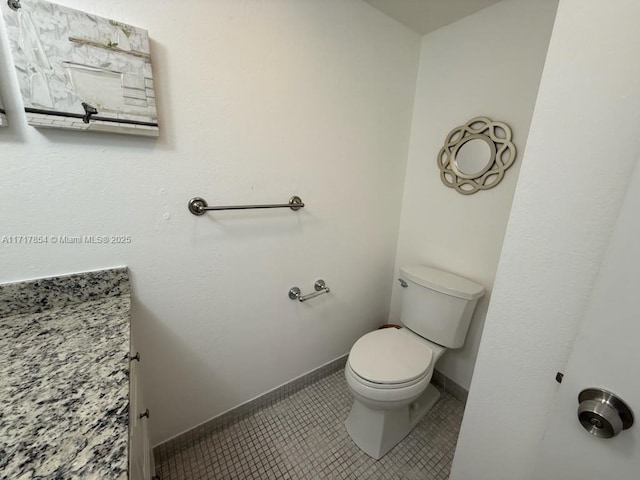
303 437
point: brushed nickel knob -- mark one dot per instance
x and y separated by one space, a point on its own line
602 413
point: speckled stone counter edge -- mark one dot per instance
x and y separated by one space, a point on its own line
35 296
99 303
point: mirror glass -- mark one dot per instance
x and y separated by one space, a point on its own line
473 157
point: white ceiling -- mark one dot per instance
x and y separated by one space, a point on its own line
424 16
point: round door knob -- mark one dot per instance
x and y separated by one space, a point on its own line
602 413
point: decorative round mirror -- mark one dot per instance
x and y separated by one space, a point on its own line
475 155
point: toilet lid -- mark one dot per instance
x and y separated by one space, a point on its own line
389 356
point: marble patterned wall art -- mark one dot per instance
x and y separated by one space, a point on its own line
79 71
3 117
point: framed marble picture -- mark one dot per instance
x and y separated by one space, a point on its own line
79 71
3 118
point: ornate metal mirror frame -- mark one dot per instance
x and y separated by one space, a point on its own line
480 173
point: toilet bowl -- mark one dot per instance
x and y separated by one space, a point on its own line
389 371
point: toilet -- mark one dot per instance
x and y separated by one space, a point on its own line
389 370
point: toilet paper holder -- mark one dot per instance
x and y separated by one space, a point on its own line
320 287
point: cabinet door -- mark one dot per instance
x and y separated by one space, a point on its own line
143 433
136 432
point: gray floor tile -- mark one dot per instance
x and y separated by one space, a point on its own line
303 437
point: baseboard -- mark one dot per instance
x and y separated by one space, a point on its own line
454 389
250 407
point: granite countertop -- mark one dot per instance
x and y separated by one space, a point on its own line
64 370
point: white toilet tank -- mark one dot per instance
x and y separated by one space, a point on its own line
438 305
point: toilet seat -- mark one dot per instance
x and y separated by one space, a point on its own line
385 396
384 386
387 358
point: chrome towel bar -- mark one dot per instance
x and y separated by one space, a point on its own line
321 289
198 206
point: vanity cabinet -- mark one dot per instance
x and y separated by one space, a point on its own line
140 458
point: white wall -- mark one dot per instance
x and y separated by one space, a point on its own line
582 148
257 101
488 64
